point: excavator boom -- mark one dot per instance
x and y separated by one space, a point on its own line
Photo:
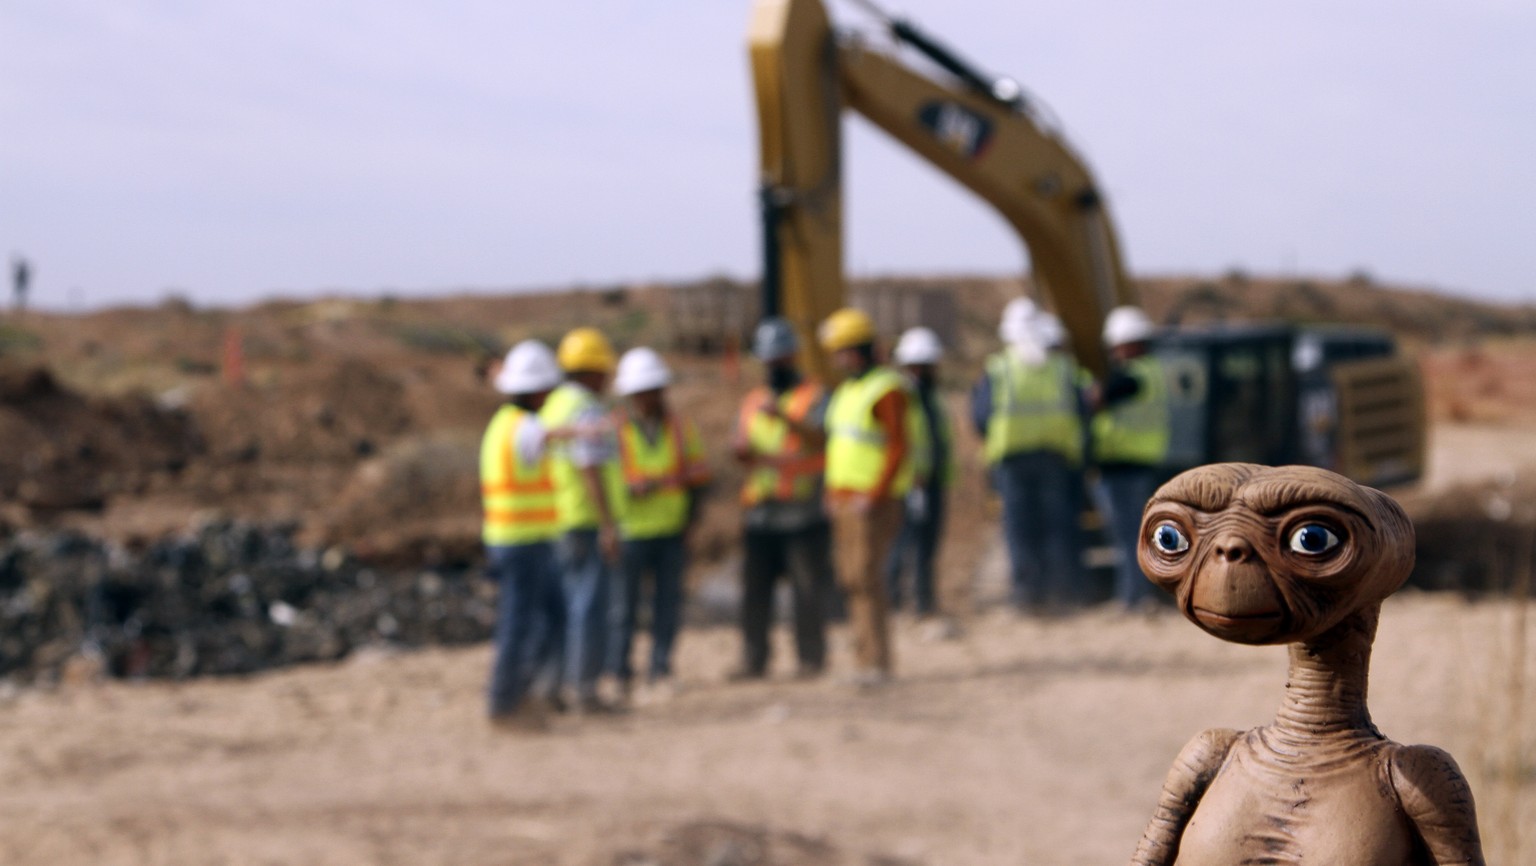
1247 395
972 127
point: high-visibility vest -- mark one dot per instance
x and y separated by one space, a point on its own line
577 510
792 472
518 497
856 443
1136 430
943 435
1034 407
670 467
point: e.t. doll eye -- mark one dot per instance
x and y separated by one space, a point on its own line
1313 539
1167 538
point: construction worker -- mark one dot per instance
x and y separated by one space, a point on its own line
1130 436
871 425
780 438
662 458
919 352
521 524
1026 409
588 493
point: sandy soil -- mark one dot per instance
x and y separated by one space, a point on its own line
1023 741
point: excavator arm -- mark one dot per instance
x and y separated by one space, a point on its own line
974 128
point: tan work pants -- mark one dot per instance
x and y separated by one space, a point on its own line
861 542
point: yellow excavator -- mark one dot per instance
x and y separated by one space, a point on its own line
1342 398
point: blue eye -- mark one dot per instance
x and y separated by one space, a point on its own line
1169 539
1313 539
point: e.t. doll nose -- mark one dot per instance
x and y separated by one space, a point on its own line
1233 549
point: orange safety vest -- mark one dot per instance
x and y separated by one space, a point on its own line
793 471
518 498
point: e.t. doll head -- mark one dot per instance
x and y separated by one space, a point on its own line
1266 555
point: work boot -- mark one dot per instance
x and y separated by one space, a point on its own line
592 705
806 671
529 717
615 691
659 690
745 674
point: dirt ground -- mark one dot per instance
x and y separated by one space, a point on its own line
1023 741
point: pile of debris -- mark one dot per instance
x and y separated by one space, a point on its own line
1477 538
225 598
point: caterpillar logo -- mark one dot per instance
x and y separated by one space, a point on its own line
956 127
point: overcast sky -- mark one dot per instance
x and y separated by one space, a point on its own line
232 151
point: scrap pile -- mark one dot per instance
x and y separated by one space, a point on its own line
226 598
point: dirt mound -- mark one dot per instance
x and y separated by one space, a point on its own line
415 502
731 843
64 450
315 414
1479 538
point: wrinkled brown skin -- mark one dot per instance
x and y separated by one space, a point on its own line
1320 785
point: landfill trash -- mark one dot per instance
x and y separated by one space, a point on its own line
227 597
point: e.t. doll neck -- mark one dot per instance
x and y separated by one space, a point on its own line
1326 689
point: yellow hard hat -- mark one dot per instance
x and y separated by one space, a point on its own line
845 329
585 350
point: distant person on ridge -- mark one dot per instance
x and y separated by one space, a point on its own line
21 281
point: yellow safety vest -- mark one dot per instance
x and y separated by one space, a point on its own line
856 442
792 471
943 434
577 510
518 498
1136 430
669 467
1034 408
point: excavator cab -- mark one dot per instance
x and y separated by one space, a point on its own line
1336 397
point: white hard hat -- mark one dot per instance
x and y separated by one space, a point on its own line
1015 319
1049 330
919 346
1127 325
640 370
528 369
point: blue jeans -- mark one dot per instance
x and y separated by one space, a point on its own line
1121 495
529 613
663 560
917 543
585 578
1042 506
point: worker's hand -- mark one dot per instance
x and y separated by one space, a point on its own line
642 488
1093 395
859 503
770 408
917 504
608 543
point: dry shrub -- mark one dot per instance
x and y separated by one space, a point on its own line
419 497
